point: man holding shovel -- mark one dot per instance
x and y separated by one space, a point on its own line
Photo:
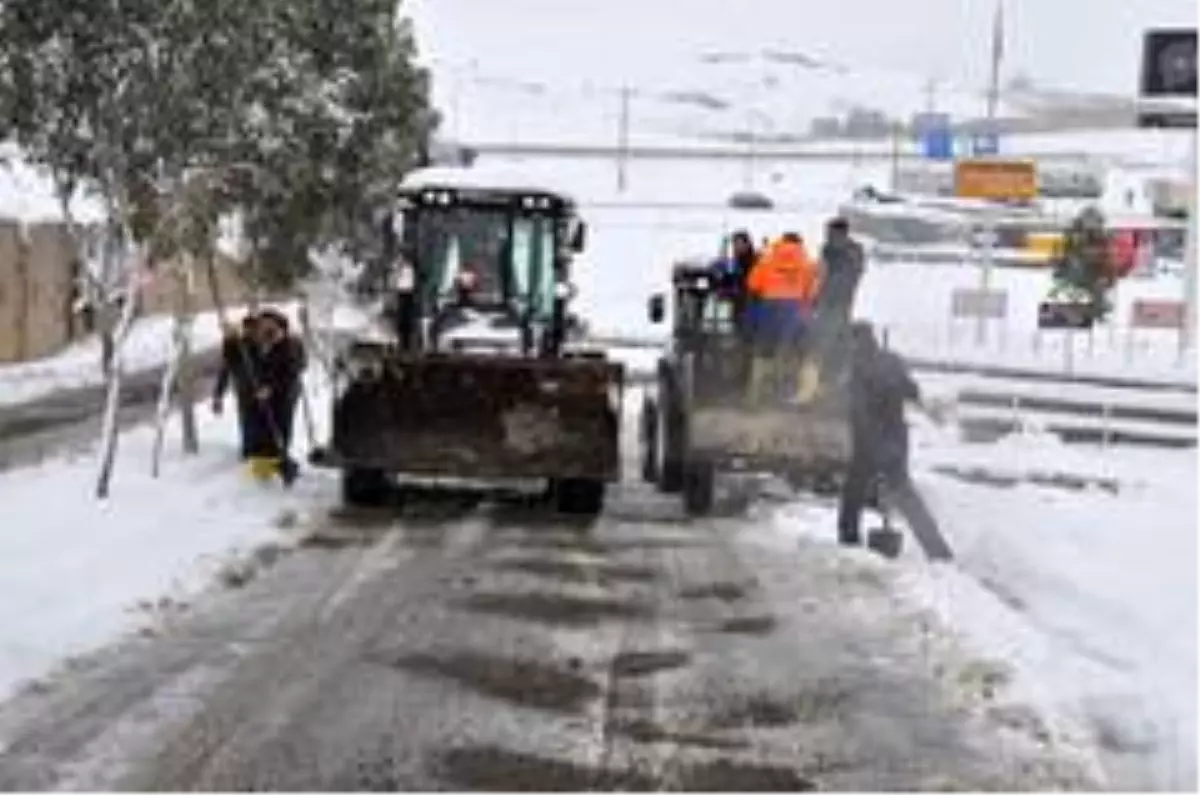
880 386
282 360
239 351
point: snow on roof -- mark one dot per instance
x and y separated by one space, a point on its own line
486 177
27 193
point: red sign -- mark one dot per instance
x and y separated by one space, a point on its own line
1123 246
1158 314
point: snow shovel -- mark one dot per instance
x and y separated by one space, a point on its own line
307 415
884 540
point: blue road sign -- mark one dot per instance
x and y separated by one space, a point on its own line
938 144
933 131
985 143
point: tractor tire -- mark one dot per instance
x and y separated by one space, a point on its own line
699 488
648 431
579 496
672 442
364 488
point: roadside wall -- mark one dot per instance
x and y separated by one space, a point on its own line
37 291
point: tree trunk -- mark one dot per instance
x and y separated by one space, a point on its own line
187 372
109 432
107 349
107 314
163 409
214 286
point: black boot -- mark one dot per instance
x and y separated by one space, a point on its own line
289 470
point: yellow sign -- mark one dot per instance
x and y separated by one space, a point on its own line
1045 246
997 180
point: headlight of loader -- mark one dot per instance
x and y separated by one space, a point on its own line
565 291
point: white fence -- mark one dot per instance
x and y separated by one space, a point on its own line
1103 352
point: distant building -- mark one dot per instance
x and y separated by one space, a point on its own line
867 123
826 127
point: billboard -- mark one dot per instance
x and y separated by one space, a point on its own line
1169 73
1169 63
996 180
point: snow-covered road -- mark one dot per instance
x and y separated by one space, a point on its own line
483 646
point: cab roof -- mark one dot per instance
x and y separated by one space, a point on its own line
484 181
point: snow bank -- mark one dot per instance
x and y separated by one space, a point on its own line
1107 584
1089 597
148 346
73 571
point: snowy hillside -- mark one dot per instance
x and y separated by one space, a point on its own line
774 95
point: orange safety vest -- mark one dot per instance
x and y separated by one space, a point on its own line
785 272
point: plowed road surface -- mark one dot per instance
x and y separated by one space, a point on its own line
456 645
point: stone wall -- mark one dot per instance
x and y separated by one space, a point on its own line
37 290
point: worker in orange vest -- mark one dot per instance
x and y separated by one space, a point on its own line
783 287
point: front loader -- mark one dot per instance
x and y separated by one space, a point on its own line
474 378
703 418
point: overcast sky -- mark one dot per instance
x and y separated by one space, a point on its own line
1082 44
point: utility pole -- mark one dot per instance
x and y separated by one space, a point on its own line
993 94
623 140
989 213
897 132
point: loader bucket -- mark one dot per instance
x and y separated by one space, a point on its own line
479 416
748 411
815 438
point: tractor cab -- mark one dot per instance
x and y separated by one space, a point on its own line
701 304
484 264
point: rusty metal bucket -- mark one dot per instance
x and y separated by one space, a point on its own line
479 416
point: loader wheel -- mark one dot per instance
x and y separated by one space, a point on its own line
579 497
699 487
364 488
649 440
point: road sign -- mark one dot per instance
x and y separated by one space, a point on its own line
982 237
933 131
976 303
1169 63
938 145
984 144
998 180
1158 314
